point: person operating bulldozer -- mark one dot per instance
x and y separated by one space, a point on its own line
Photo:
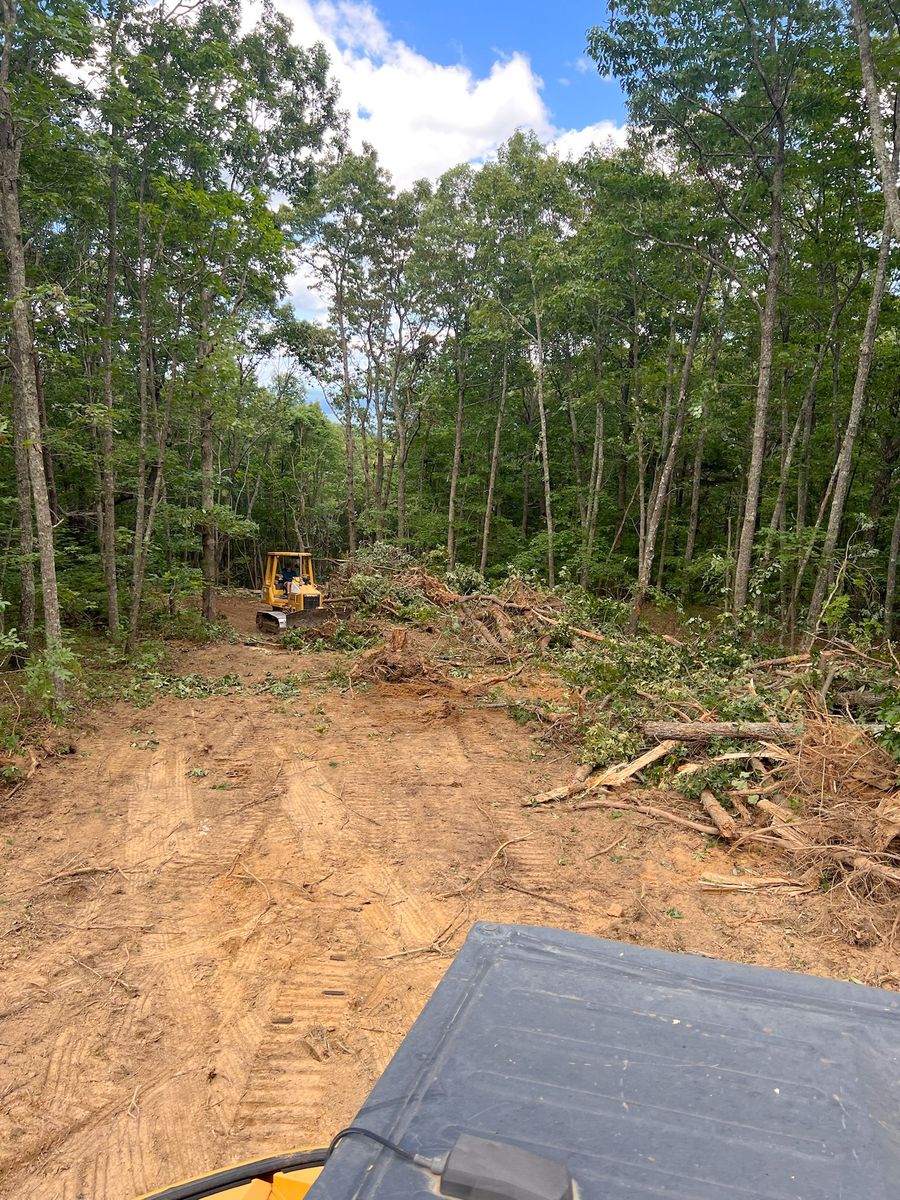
289 574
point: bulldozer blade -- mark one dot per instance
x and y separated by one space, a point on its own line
274 621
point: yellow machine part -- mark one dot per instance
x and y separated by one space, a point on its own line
308 596
285 1185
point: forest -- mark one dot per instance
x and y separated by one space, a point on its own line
596 455
668 372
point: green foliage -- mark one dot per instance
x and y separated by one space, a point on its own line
150 683
343 637
604 745
47 672
283 687
369 590
715 777
381 558
465 580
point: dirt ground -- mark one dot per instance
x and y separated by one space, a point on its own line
221 916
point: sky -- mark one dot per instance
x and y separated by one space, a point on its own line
432 84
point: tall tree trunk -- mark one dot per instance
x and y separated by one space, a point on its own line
545 450
495 462
349 448
107 473
661 491
596 484
764 378
567 400
844 462
890 588
663 545
457 454
207 478
45 448
27 597
21 345
887 165
144 366
148 520
402 453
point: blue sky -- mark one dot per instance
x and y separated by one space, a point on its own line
552 35
434 85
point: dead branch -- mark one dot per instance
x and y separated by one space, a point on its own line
481 874
650 810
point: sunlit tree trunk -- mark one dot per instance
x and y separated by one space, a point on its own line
768 322
597 463
887 166
460 370
545 451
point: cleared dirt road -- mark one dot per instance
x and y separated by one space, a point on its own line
222 915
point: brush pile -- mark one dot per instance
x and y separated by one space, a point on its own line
713 728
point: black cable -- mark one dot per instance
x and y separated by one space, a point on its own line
358 1131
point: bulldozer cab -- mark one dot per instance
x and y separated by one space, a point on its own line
289 593
289 577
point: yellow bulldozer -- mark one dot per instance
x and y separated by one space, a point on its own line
291 594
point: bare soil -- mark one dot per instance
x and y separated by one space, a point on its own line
221 916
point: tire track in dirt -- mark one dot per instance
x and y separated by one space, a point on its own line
294 1073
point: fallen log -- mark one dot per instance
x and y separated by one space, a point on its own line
702 731
722 820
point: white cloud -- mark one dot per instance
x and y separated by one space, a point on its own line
423 117
307 300
574 142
